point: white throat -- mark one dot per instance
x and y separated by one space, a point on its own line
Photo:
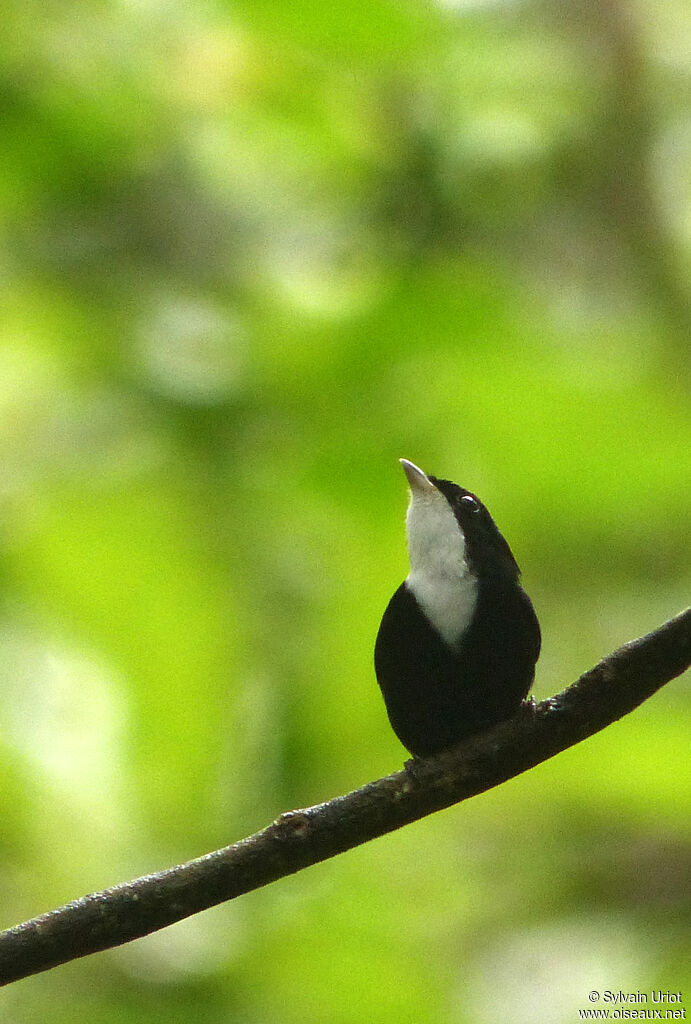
439 579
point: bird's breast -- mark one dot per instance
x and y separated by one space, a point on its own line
448 602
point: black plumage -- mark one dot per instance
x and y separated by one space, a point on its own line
439 688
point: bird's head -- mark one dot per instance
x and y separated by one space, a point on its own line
450 531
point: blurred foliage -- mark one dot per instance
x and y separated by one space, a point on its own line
251 253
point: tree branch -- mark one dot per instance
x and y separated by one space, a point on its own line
615 686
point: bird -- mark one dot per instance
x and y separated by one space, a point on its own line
458 642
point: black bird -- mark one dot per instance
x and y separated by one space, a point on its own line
457 645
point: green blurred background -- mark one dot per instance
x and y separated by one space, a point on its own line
251 254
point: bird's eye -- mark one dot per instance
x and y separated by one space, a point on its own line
470 503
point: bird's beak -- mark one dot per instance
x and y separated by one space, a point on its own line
419 481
